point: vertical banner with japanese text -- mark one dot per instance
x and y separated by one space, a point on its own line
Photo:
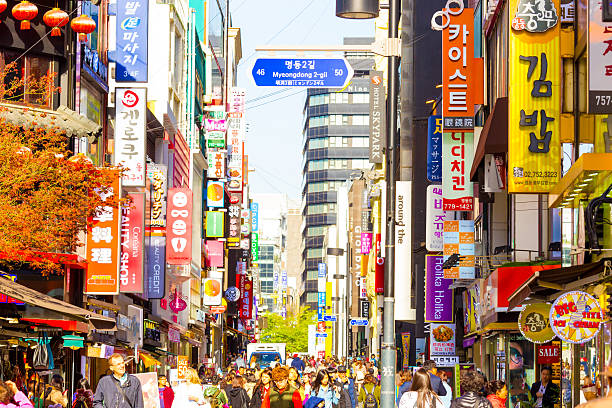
130 134
534 96
457 157
102 274
438 295
178 231
434 148
131 267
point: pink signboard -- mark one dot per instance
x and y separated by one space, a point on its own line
366 243
178 226
214 253
131 264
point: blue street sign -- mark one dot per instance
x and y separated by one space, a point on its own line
359 322
307 72
321 335
434 148
322 268
329 318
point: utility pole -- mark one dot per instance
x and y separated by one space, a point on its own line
388 351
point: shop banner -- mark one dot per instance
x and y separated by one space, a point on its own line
434 148
233 212
136 334
255 217
404 309
438 295
459 239
130 134
214 253
215 224
405 350
364 309
215 125
435 217
576 317
178 231
379 277
442 339
320 306
458 71
156 263
600 69
235 140
150 390
237 99
457 158
534 95
255 247
245 304
245 220
378 117
215 194
131 267
132 37
158 175
216 164
102 272
366 243
212 292
534 323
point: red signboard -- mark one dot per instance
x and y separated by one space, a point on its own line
131 266
178 226
548 354
217 309
379 271
245 303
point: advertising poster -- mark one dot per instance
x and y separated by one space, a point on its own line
150 390
434 148
404 309
405 350
215 224
212 292
576 317
438 295
215 194
534 97
103 240
182 364
442 339
131 267
130 134
459 240
178 230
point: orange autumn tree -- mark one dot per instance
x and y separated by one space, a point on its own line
46 196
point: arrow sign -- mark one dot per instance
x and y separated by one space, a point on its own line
330 318
306 72
359 322
321 335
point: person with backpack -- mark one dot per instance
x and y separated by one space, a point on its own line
323 387
347 384
214 394
238 397
369 395
83 395
261 392
471 383
421 395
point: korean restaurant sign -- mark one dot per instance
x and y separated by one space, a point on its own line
459 239
132 34
130 134
576 317
534 323
158 174
599 61
131 266
216 164
215 194
245 303
235 141
457 157
234 218
534 94
435 217
457 69
178 231
102 274
434 148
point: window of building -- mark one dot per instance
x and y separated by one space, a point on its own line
266 286
314 165
318 143
361 98
339 97
316 231
312 274
316 100
321 208
314 253
338 141
360 164
311 296
360 142
360 120
316 121
339 120
338 164
28 68
266 253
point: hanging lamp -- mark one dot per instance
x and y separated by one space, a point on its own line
83 25
55 18
25 11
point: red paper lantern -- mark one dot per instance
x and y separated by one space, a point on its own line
25 11
2 5
55 18
83 25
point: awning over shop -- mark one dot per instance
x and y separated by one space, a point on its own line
238 332
67 325
148 360
34 298
543 285
65 119
494 135
583 178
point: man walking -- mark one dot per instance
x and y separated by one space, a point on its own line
118 390
347 385
298 363
545 393
436 382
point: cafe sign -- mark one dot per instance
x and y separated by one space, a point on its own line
576 317
534 323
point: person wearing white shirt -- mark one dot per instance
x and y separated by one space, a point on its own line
421 394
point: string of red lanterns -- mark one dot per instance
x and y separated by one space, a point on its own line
54 18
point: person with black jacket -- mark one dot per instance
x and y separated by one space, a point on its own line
545 393
471 383
238 397
118 390
262 389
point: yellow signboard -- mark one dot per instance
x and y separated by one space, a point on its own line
534 323
576 317
534 96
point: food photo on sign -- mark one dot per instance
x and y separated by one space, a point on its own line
442 339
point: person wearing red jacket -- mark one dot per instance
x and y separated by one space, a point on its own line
166 395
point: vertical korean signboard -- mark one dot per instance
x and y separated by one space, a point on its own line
156 246
236 132
534 96
458 110
459 240
435 217
102 274
255 247
378 117
233 212
178 232
599 60
130 134
132 40
131 267
434 148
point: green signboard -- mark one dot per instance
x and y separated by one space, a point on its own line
215 224
255 247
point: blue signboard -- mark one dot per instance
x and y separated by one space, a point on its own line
284 281
434 148
322 271
307 72
359 322
321 335
330 318
132 40
156 267
320 306
254 217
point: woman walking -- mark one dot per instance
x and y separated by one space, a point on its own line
261 392
421 394
498 393
369 394
323 388
189 394
238 397
294 381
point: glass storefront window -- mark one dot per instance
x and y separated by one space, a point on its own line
566 375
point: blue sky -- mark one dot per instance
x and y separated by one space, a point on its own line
275 123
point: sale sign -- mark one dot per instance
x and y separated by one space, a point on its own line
178 230
131 267
182 364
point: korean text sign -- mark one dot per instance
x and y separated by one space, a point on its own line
438 295
434 148
245 303
178 231
459 239
435 217
130 134
457 71
131 267
233 212
158 174
534 96
599 60
132 40
442 339
457 157
102 274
